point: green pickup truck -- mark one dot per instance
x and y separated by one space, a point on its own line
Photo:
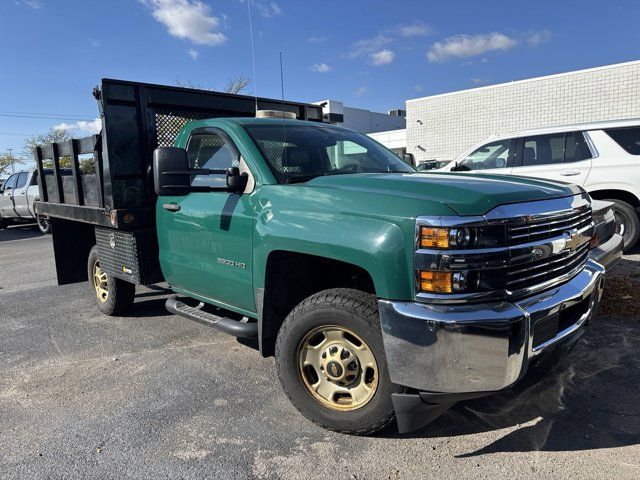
384 293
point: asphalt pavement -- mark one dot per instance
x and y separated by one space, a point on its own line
151 395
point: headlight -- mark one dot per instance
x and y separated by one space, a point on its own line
461 238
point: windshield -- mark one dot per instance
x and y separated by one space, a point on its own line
298 153
491 155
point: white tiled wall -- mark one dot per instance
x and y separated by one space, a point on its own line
443 126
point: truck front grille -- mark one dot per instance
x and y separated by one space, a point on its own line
526 231
538 272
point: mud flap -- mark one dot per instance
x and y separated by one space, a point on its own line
413 413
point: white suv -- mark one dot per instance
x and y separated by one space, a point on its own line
603 158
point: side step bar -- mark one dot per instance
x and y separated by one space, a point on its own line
227 325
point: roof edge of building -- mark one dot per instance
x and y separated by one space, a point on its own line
526 80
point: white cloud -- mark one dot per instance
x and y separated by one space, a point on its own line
536 38
193 53
416 29
316 39
190 19
82 126
93 43
479 81
320 67
464 46
369 45
361 91
418 88
272 9
383 57
35 4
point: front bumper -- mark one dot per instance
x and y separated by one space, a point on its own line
474 349
608 253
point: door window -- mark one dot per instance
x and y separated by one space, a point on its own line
543 150
11 182
22 180
576 148
627 138
491 155
212 151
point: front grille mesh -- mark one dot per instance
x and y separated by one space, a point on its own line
548 227
534 273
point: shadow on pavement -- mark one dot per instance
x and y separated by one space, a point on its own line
589 403
20 232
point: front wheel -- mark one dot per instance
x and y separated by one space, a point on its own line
44 225
331 362
627 223
113 296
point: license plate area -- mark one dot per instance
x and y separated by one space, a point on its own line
546 329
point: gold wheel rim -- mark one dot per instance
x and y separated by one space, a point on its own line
338 368
100 282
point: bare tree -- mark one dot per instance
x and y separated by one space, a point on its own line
237 85
189 84
8 163
55 135
234 86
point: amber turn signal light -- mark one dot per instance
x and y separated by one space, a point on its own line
431 237
435 282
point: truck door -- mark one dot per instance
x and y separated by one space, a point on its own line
206 238
20 199
6 197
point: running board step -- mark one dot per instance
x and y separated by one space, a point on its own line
227 325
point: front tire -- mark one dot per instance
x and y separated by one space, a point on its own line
331 362
627 223
113 296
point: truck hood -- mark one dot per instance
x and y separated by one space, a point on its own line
466 194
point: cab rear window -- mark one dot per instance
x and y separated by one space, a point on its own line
627 138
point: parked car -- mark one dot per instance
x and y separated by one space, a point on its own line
17 197
603 158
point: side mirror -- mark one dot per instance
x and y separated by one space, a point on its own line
236 181
171 174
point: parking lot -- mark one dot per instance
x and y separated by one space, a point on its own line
152 395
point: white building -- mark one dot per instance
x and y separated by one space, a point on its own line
395 140
360 120
443 126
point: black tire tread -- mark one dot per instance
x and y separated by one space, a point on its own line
634 227
361 303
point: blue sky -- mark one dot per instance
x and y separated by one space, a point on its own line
368 54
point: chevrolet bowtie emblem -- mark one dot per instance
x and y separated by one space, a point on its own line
574 240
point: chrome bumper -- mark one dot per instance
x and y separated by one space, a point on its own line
609 253
483 347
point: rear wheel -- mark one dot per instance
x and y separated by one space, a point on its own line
43 224
113 296
627 223
331 362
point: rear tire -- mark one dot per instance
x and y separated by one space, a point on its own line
3 223
627 223
348 327
113 296
44 225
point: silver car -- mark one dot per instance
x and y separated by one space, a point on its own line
17 195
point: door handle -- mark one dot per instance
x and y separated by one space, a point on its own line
569 173
171 207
